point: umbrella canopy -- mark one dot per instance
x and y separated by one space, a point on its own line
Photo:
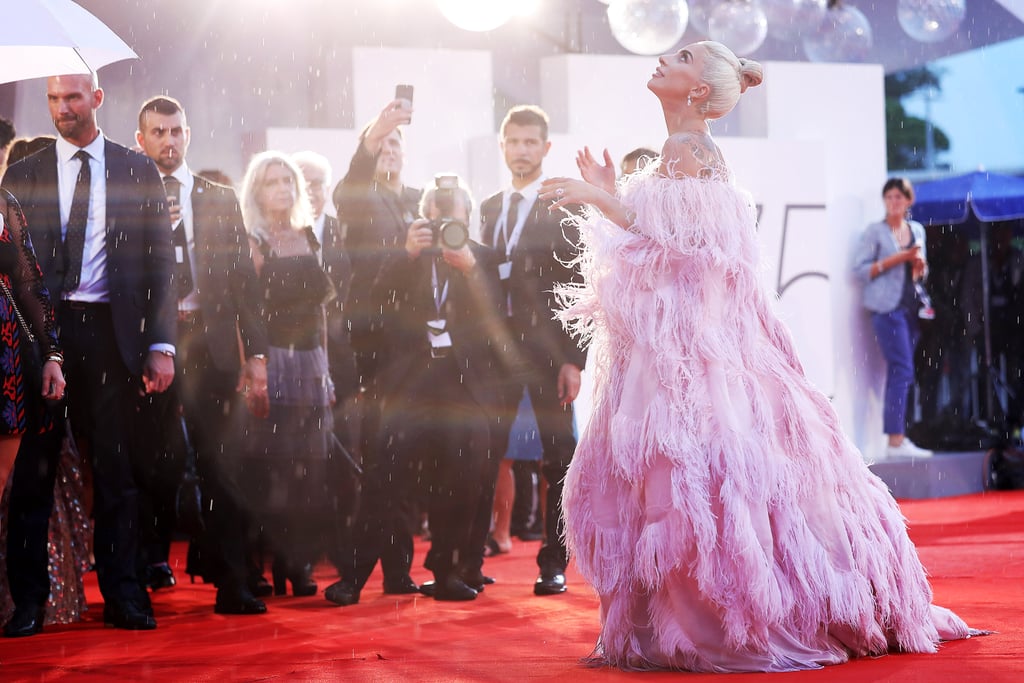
54 37
948 201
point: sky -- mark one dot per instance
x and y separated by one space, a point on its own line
981 108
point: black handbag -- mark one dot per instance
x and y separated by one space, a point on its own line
188 503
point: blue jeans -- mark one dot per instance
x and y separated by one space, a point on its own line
897 335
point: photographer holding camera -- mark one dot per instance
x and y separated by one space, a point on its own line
438 380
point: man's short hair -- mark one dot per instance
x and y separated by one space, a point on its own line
161 104
7 133
526 115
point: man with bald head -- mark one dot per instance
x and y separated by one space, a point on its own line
98 218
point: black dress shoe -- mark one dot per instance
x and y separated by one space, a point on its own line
428 588
235 601
128 615
26 621
401 586
454 589
157 576
477 580
259 586
549 583
342 593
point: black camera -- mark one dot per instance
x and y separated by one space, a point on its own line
449 232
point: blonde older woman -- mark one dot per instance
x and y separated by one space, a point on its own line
290 447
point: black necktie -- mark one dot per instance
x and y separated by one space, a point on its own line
74 237
511 218
183 269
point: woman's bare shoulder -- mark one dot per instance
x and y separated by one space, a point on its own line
691 154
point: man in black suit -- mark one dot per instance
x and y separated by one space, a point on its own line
530 250
218 303
440 387
97 215
375 210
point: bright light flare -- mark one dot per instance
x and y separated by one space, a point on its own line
478 15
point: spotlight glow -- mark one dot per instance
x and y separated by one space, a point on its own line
477 15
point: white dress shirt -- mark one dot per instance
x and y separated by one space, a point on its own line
92 285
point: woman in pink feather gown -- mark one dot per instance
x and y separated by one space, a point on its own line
714 502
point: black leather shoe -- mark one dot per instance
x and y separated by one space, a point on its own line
342 593
401 586
128 615
259 586
454 589
549 583
157 576
477 580
26 621
234 601
428 588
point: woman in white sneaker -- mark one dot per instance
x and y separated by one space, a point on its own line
890 259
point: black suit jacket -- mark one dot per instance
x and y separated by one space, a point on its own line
374 221
138 242
538 259
471 310
338 267
228 291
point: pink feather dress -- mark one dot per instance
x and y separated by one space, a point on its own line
714 502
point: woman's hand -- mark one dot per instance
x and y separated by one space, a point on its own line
53 381
418 237
563 191
599 175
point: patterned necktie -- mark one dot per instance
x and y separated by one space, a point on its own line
74 237
183 265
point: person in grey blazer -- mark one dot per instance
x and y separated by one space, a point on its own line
890 260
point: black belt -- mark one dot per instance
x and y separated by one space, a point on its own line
88 306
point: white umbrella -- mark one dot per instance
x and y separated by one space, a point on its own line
52 37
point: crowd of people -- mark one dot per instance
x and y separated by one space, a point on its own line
327 379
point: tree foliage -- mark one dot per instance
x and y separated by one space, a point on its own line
906 134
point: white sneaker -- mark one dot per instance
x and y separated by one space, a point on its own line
908 449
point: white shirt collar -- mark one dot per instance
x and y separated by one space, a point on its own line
66 150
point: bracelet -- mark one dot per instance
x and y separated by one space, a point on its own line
881 268
259 356
56 356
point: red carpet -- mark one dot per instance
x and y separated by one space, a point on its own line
973 546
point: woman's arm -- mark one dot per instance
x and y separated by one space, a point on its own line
564 191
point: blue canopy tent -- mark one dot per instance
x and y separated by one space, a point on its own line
975 199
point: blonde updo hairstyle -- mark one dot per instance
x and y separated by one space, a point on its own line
727 77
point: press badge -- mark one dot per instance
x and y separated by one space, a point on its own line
505 270
437 335
179 254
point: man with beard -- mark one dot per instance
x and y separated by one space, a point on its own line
98 219
218 303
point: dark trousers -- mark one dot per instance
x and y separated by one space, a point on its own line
433 434
102 400
214 417
558 443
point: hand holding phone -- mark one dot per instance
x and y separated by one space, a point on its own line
404 92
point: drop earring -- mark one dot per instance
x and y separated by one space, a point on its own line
689 100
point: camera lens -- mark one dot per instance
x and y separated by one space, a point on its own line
454 234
